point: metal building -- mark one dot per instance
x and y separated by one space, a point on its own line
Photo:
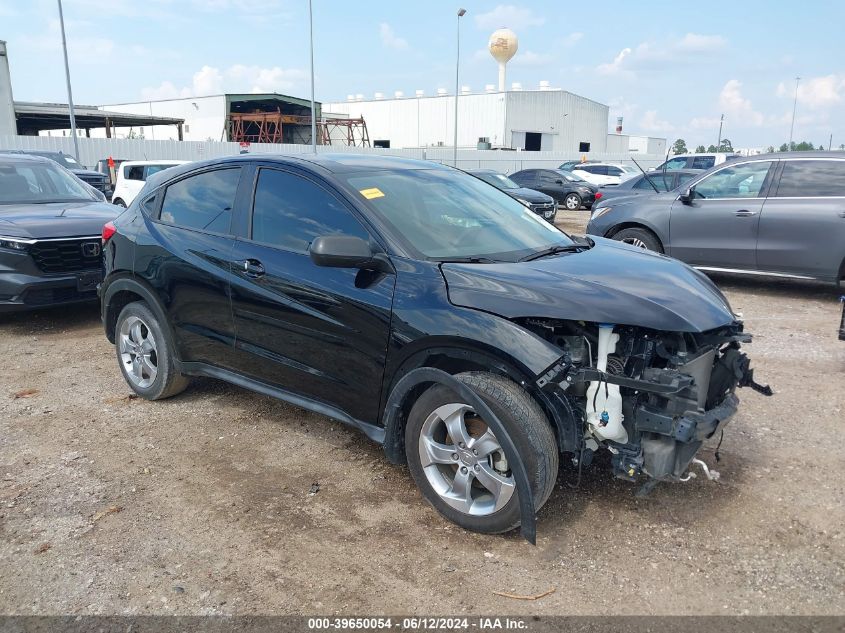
539 120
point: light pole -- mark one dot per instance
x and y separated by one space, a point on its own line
794 106
313 108
67 77
461 13
719 142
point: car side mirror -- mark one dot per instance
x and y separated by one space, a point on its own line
558 182
346 251
687 195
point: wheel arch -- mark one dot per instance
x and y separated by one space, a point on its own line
635 225
120 292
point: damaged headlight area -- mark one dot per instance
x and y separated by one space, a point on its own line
651 398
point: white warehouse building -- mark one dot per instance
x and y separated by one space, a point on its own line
531 120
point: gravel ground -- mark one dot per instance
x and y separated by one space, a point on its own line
224 501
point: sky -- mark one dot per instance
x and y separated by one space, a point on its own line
670 69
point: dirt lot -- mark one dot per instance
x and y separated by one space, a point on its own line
203 504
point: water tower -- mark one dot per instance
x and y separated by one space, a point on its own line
503 45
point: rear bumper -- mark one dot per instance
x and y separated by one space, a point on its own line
26 292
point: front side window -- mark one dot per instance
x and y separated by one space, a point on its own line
290 211
445 215
802 178
528 177
203 202
740 181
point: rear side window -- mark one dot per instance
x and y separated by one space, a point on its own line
703 162
133 172
203 202
290 211
676 163
802 178
658 181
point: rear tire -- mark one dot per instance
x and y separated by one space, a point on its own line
572 201
428 438
145 355
641 238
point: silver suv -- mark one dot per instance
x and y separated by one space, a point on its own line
774 214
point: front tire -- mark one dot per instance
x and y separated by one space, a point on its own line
641 238
458 464
119 202
145 355
572 201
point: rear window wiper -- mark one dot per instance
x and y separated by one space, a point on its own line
554 250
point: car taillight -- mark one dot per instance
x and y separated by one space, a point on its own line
108 231
599 195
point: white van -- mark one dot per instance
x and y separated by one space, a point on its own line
131 176
696 161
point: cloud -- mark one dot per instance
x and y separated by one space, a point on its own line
571 40
737 107
650 123
530 58
390 39
663 56
510 16
816 92
82 48
238 78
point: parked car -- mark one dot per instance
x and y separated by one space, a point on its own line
50 225
133 174
638 185
567 189
601 174
696 161
569 165
433 312
93 178
541 204
777 214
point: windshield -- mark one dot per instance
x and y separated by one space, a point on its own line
36 182
62 159
498 180
446 214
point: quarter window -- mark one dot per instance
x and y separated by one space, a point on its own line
290 211
203 202
741 181
802 178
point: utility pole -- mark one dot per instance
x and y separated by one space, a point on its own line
830 142
461 13
794 106
313 108
69 92
719 142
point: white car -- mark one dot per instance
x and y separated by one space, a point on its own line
131 176
601 174
696 161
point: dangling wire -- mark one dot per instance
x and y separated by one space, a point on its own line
721 437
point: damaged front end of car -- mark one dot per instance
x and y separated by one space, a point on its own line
651 398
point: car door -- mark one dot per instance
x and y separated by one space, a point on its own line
717 226
526 178
314 331
553 184
185 255
802 226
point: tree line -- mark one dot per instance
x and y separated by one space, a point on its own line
680 147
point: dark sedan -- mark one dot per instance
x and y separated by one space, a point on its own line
541 204
50 234
638 185
569 190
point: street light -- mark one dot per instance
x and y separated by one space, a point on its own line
461 13
794 106
313 109
67 77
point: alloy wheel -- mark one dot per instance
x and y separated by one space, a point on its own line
635 241
138 352
464 462
572 202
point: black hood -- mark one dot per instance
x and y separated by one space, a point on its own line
610 283
529 195
55 219
88 174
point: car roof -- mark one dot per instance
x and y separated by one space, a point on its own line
130 163
479 172
15 156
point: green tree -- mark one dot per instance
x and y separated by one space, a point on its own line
822 147
725 146
679 147
842 146
700 149
783 148
711 148
770 149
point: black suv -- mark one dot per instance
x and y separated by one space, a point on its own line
100 182
433 312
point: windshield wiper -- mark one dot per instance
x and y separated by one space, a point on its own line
554 250
469 260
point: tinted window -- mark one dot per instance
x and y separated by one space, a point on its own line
703 162
682 178
133 172
527 177
290 211
675 163
614 171
658 181
154 169
202 202
741 181
812 178
550 178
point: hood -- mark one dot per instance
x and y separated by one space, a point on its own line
55 219
530 195
89 174
610 283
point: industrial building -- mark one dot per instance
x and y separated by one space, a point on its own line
533 120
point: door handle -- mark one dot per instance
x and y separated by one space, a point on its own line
251 267
744 213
